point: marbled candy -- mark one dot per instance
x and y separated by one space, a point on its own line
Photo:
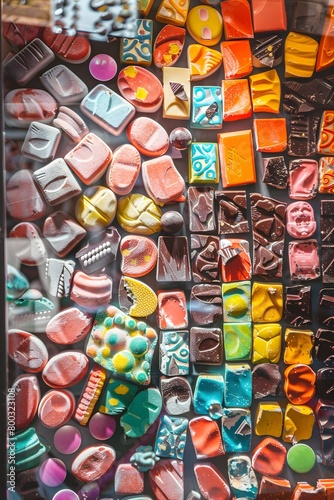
237 341
299 383
206 437
242 477
142 412
92 462
206 107
208 395
176 394
268 457
236 429
138 49
171 437
116 396
237 302
172 309
167 479
26 391
174 353
303 179
266 379
27 351
238 385
203 163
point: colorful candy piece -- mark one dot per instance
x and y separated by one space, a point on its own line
236 158
266 379
174 353
270 487
269 419
72 49
237 19
208 395
41 142
171 437
235 260
116 396
325 57
301 222
301 458
211 482
270 135
298 97
202 61
232 214
205 25
141 88
144 458
298 423
206 107
16 283
142 412
69 326
266 92
299 344
57 182
168 45
300 55
267 302
267 339
268 457
62 233
65 369
180 138
303 179
236 429
139 255
242 477
304 260
237 302
138 49
23 201
122 345
90 394
206 438
92 462
172 309
28 246
206 304
167 479
206 346
299 383
176 395
102 67
325 175
268 16
96 208
22 106
71 124
136 298
171 222
203 163
106 108
59 275
29 61
128 480
325 144
162 181
28 439
238 385
174 13
26 391
237 341
148 136
124 169
27 351
18 35
65 86
52 472
268 52
173 259
56 408
176 85
204 256
237 58
100 250
67 439
138 214
236 99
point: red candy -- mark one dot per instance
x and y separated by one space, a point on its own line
56 408
27 350
65 369
73 49
27 396
69 326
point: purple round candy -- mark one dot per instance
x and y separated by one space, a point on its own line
180 138
67 439
65 495
102 426
103 67
52 472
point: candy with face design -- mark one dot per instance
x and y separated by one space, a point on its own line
300 220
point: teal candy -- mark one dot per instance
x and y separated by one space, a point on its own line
17 283
171 437
142 412
238 385
236 430
208 395
28 449
242 478
203 162
31 312
116 396
207 107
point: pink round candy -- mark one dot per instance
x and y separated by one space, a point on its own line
67 439
65 495
52 472
103 67
102 426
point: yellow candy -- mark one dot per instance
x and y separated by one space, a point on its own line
144 299
138 214
299 344
173 12
96 208
300 55
202 61
267 302
266 92
205 25
269 419
236 301
298 423
174 107
266 343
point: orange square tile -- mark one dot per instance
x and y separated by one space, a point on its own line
237 158
237 19
237 58
270 135
236 99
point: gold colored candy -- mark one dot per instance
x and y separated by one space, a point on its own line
298 423
269 419
96 208
267 302
300 55
266 92
299 344
138 214
144 299
267 343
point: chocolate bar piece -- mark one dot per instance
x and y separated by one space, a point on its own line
232 212
268 235
266 379
100 250
308 17
327 263
325 384
176 394
302 137
326 306
304 260
206 346
297 310
200 206
324 416
305 97
206 304
324 346
327 221
204 257
173 259
275 172
268 52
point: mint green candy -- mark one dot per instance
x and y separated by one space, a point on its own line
301 458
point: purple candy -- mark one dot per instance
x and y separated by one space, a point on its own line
52 472
65 495
102 426
103 67
67 439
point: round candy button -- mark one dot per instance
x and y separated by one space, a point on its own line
171 222
52 472
301 458
67 439
180 138
103 67
102 426
65 495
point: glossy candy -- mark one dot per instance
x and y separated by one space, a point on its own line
236 429
28 439
297 310
236 155
304 260
242 477
300 55
167 479
103 67
176 394
237 341
265 91
206 107
176 85
232 213
206 304
299 383
148 136
162 181
92 462
267 302
268 457
203 163
298 423
237 302
275 172
206 438
171 437
269 419
96 208
172 309
237 19
211 483
204 256
90 394
238 385
237 59
202 61
116 396
173 259
266 379
235 260
28 351
236 99
270 135
204 24
26 391
138 214
168 45
138 49
267 339
142 412
268 52
208 395
171 222
268 16
174 353
56 408
65 369
141 88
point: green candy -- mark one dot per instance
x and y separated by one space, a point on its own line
301 458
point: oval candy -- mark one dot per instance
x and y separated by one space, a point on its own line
123 169
141 88
92 462
168 45
69 326
139 255
65 369
148 136
28 351
23 106
27 396
56 408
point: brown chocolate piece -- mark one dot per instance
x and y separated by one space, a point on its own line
28 484
297 310
204 258
100 250
171 222
304 491
325 384
327 263
206 304
232 212
324 346
176 394
326 306
327 221
302 136
268 52
325 419
268 235
274 488
206 346
308 17
275 172
173 259
200 207
304 97
266 379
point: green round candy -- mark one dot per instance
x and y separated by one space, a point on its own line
301 458
108 322
138 346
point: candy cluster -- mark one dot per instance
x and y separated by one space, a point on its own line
170 255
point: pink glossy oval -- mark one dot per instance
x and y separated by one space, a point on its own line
148 136
23 106
69 326
65 369
141 88
27 396
28 351
93 462
56 408
124 169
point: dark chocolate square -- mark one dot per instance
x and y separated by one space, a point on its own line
327 263
326 306
204 258
206 346
327 221
297 310
232 212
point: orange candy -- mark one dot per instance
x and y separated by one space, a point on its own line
325 58
237 19
299 383
237 101
270 135
237 59
237 158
